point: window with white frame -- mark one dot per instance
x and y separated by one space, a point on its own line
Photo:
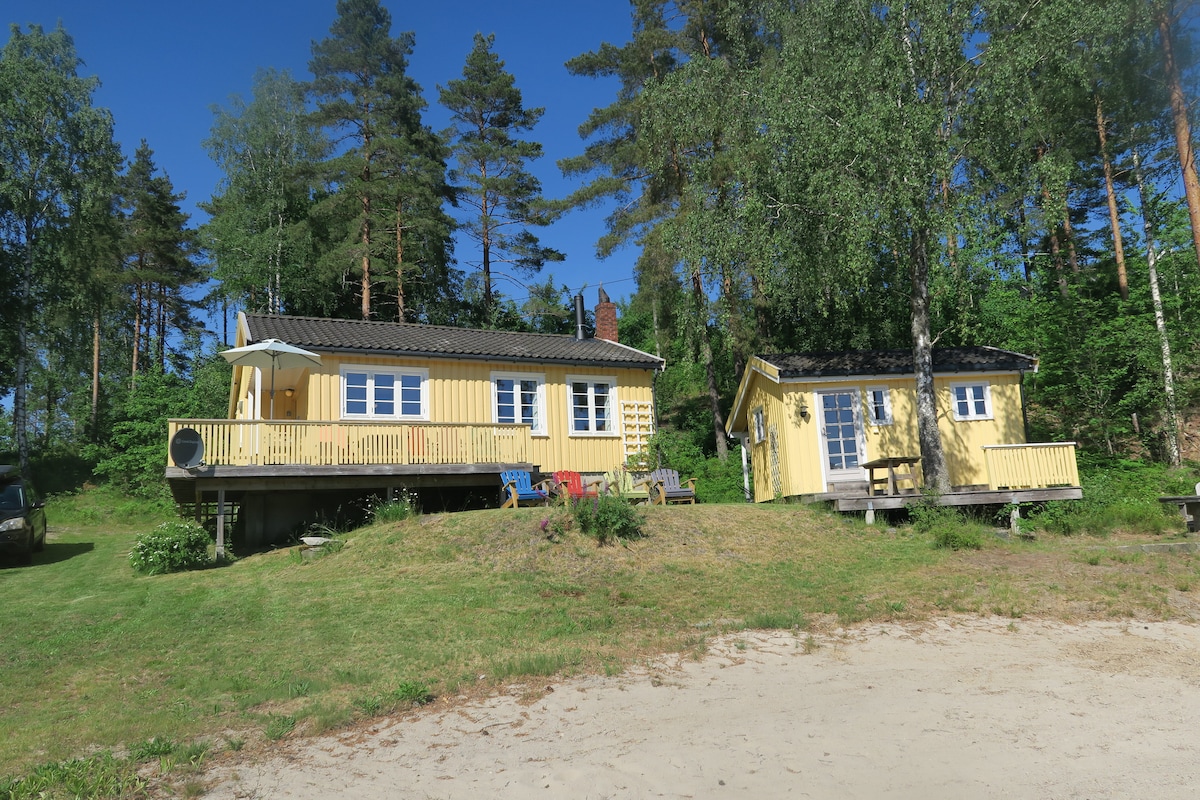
519 399
879 405
760 426
971 400
592 401
385 393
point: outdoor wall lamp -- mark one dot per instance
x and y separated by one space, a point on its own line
803 409
289 391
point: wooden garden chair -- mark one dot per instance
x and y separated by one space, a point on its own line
569 485
620 483
665 488
519 488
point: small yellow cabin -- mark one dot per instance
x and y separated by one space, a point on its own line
844 425
386 406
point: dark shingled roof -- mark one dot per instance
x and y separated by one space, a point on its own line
400 339
897 362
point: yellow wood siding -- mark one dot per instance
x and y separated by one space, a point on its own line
460 391
963 440
799 470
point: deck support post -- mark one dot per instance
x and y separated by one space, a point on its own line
220 525
870 512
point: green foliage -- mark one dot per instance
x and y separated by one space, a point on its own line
947 526
397 510
279 726
501 198
607 518
388 165
101 775
717 481
406 694
152 748
259 233
135 455
171 547
104 505
1119 495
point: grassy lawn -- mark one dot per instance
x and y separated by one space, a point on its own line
99 658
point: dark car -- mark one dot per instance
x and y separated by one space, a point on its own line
22 516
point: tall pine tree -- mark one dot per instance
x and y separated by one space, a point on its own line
502 197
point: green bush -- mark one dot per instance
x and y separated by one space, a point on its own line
1118 495
607 518
403 507
947 526
171 547
717 481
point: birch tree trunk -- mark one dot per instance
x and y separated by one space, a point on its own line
1172 434
933 456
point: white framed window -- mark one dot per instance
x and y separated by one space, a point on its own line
591 402
385 393
519 399
971 400
879 405
760 426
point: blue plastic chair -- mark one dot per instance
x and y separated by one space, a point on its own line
519 488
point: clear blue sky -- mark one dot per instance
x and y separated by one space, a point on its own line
163 65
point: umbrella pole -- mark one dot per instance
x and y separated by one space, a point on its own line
272 387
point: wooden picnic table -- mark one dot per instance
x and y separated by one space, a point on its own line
1189 507
899 468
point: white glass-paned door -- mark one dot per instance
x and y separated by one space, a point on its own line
841 437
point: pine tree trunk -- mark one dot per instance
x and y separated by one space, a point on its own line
933 457
95 376
366 257
710 371
1114 215
137 329
1179 115
1172 433
162 328
401 311
1069 237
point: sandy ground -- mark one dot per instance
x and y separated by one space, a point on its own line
949 709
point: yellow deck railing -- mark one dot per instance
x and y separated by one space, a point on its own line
334 444
1031 466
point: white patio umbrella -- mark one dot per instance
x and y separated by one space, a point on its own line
273 354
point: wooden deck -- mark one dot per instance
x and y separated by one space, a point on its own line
271 476
967 497
258 443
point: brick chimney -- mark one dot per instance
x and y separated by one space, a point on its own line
606 318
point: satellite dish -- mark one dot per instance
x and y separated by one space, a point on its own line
187 448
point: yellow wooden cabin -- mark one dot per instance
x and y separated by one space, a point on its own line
410 406
843 426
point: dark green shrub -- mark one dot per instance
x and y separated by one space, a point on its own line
607 518
717 481
947 526
1118 495
171 547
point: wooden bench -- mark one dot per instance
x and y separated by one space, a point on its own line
1189 507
